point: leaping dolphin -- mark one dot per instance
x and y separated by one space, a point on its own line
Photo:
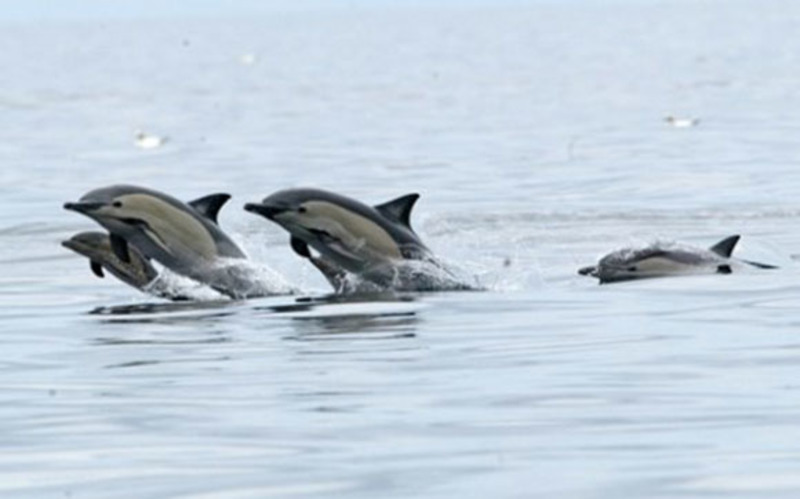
659 260
183 237
352 237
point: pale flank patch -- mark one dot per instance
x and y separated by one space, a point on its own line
360 234
172 226
659 265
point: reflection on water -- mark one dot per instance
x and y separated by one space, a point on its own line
161 308
386 325
349 311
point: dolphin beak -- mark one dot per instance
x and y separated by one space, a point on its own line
269 211
84 207
592 271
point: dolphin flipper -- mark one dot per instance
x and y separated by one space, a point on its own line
399 210
725 247
97 269
209 206
300 247
120 248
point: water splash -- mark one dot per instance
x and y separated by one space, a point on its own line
254 280
176 287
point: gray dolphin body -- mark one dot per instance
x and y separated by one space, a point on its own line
660 260
183 237
138 272
96 246
351 237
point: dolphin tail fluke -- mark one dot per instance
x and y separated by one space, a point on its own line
399 210
760 265
725 247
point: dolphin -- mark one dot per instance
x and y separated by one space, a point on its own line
184 237
659 260
138 272
371 242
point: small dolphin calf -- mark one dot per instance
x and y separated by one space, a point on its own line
659 260
96 246
352 237
183 237
138 272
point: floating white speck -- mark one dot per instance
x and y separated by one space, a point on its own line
149 141
248 59
682 122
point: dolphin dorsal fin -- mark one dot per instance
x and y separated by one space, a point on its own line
399 210
725 247
209 206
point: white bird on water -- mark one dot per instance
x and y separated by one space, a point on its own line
148 141
682 122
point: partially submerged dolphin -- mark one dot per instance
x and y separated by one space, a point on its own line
659 260
372 242
138 272
96 246
183 237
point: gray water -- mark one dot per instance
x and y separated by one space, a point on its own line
535 133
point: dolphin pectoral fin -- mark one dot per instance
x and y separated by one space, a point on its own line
725 247
300 247
97 269
760 265
209 206
399 210
120 248
724 269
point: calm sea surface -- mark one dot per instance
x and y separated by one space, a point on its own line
535 133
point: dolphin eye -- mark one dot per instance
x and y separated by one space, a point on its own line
632 268
301 209
117 204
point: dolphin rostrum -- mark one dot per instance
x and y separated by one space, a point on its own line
183 237
351 237
660 259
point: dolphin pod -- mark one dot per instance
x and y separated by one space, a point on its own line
359 248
